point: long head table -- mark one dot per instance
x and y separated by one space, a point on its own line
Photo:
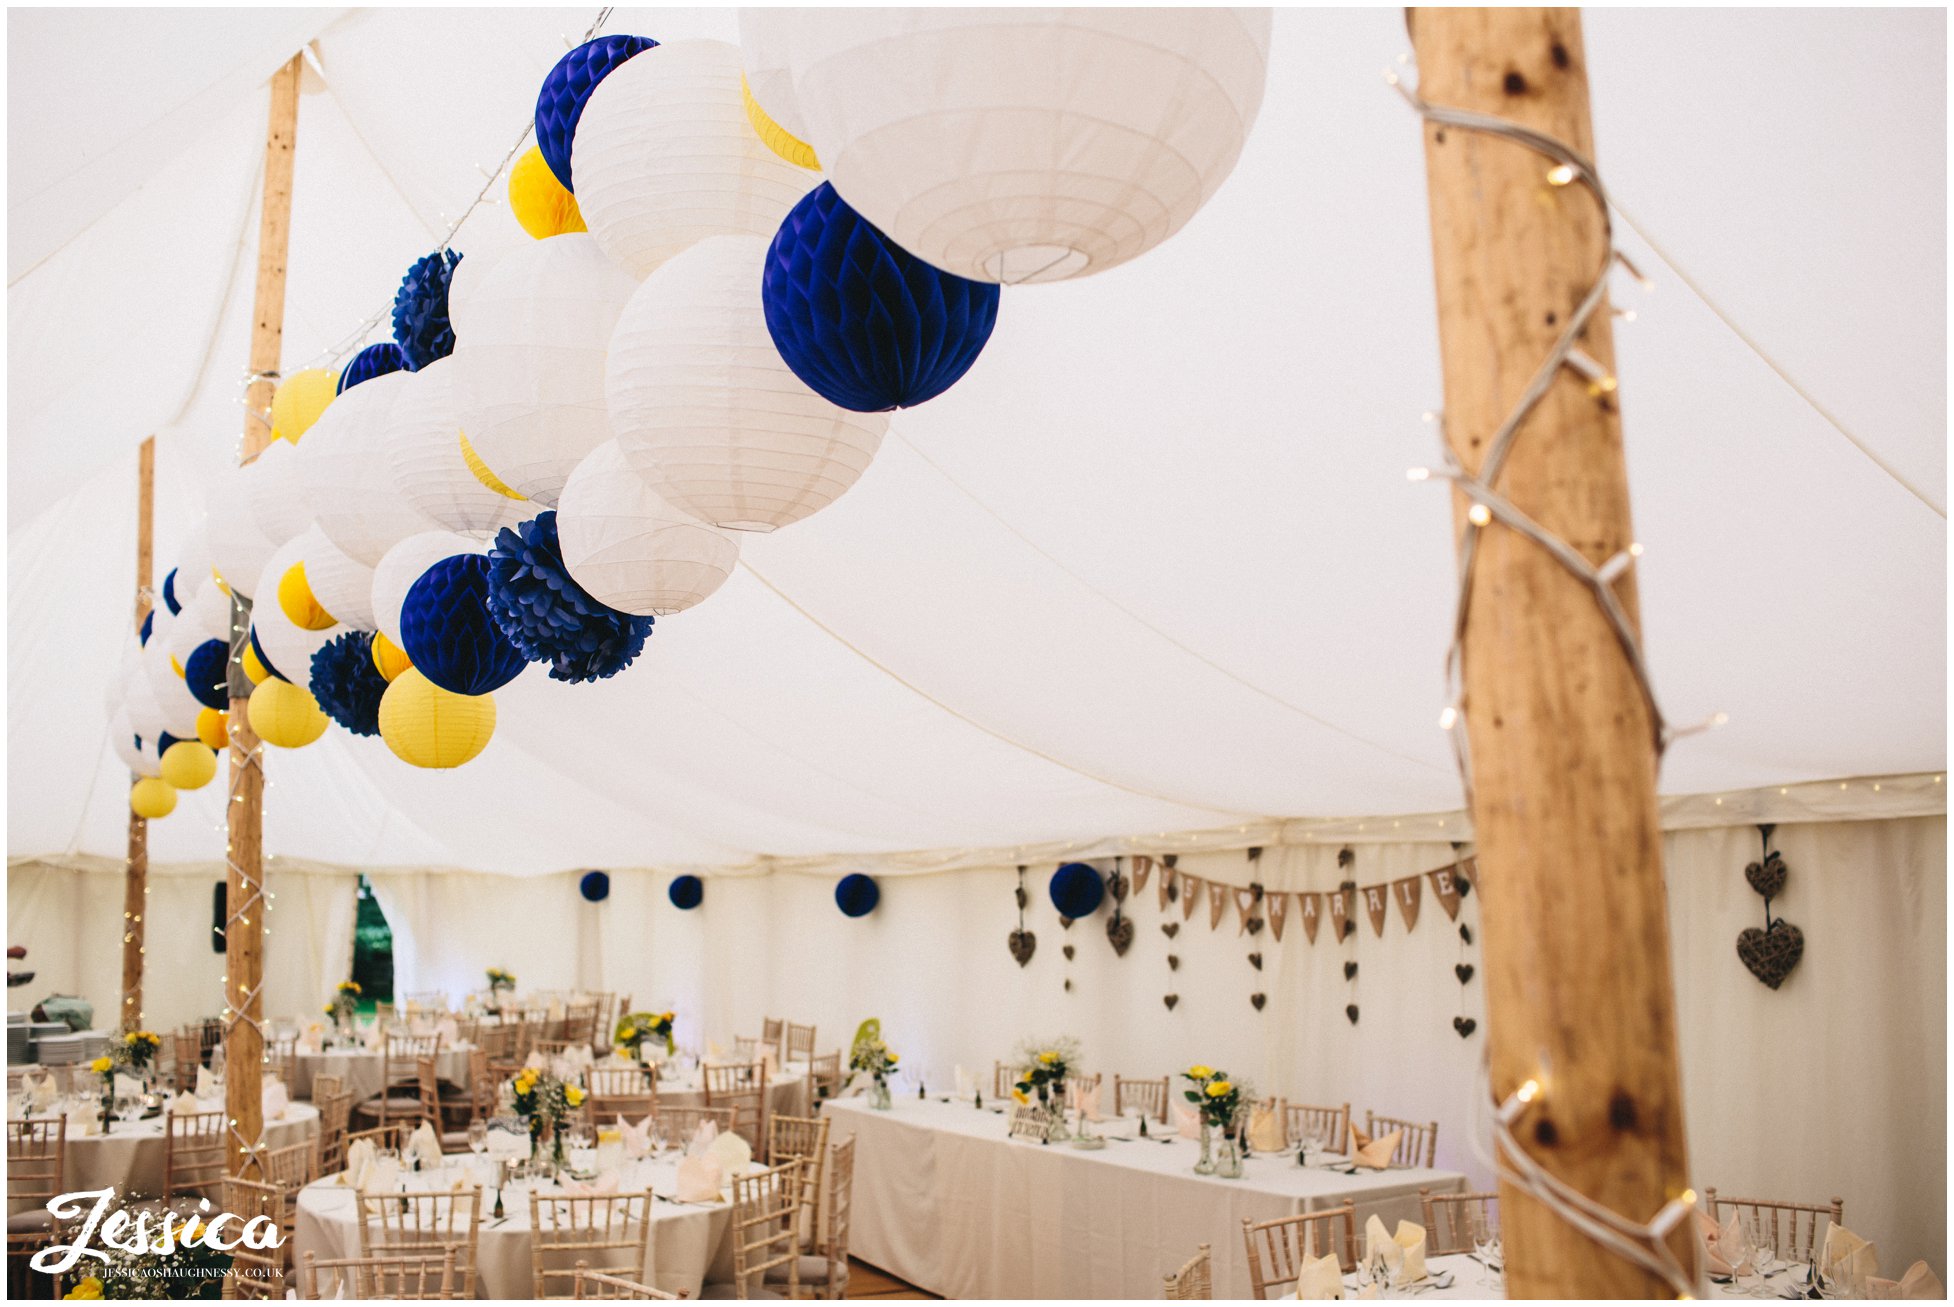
947 1200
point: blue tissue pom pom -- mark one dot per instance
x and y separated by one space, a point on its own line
595 886
686 892
347 684
551 618
421 326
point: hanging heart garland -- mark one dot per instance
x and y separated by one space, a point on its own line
1022 942
1770 954
1119 927
1452 885
1342 912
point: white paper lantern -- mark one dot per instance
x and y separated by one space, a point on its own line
467 278
176 707
344 473
629 548
139 701
192 563
278 503
665 156
287 645
122 737
767 57
342 585
205 616
1024 145
239 548
423 450
528 383
403 566
707 412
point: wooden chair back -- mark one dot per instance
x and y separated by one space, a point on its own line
1456 1223
1330 1125
595 1284
427 1084
627 1091
1792 1230
255 1272
37 1150
799 1046
335 1110
193 1154
392 1136
322 1085
771 1029
1417 1146
1150 1096
766 1230
1278 1249
424 1223
605 1232
419 1277
807 1139
188 1043
838 1199
742 1085
1195 1278
824 1076
682 1122
1002 1079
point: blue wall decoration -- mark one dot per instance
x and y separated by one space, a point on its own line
567 89
259 650
686 892
865 323
169 593
421 326
148 625
347 684
857 895
208 674
595 886
548 616
1077 889
448 634
373 361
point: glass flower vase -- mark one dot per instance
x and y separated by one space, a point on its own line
1055 1111
1228 1158
878 1095
1206 1165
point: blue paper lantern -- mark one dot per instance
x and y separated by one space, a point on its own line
1077 890
865 323
148 625
686 892
169 593
163 743
857 895
263 661
567 89
595 886
447 632
548 616
207 671
346 682
373 361
421 326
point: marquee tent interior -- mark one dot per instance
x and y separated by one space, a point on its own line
1149 580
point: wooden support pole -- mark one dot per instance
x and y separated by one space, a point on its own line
1575 927
135 878
244 963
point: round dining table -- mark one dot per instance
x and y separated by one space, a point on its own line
131 1156
686 1246
360 1069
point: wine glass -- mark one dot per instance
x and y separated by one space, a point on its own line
128 1106
478 1137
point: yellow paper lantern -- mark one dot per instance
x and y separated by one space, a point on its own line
285 714
176 667
189 765
389 658
540 203
299 401
254 666
150 798
427 726
482 472
296 599
775 137
214 728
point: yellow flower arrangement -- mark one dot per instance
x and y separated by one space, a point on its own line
349 987
1219 1089
100 1066
90 1287
1218 1097
894 1058
1199 1072
1048 1057
1023 1099
573 1095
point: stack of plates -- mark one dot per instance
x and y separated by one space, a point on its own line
19 1044
55 1046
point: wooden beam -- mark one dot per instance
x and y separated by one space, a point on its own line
135 878
1575 927
244 963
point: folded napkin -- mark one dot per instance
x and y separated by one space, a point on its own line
359 1160
425 1147
41 1092
603 1184
206 1083
702 1138
556 1009
699 1179
184 1102
965 1089
1265 1132
733 1152
1410 1236
1321 1280
637 1138
1919 1283
83 1119
275 1098
1714 1261
1380 1249
1374 1153
1848 1257
1190 1121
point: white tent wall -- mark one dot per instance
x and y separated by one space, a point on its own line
1835 1083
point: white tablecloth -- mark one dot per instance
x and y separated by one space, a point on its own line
946 1200
131 1157
688 1243
361 1070
1471 1280
786 1091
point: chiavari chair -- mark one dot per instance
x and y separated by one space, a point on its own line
771 1029
807 1139
481 1086
742 1085
282 1059
255 1272
1330 1125
824 1077
1150 1096
323 1085
1417 1146
421 1277
683 1122
628 1091
595 1284
766 1231
390 1137
335 1111
422 1223
746 1048
1457 1223
799 1046
433 1110
1792 1230
1195 1278
399 1097
1002 1079
193 1154
290 1169
188 1045
824 1272
580 1025
1278 1249
37 1149
612 1230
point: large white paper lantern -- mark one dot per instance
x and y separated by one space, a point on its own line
239 548
139 701
629 548
707 412
423 450
176 707
279 503
1024 145
467 278
342 585
665 156
403 565
345 475
528 381
287 645
192 562
122 736
206 615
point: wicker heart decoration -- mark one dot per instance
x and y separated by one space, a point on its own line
1254 925
1068 951
1120 931
1258 1000
1771 954
1024 899
1464 1025
1463 971
1173 962
1351 1012
1465 932
1170 1000
1023 945
1255 960
1766 877
1350 971
1170 928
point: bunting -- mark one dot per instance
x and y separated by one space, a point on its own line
1408 892
1278 913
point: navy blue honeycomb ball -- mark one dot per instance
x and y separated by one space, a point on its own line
1077 889
447 632
373 361
567 89
421 326
207 672
857 895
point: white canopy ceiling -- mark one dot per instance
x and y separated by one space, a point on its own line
1152 566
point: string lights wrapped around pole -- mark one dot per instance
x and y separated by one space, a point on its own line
135 878
1553 717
